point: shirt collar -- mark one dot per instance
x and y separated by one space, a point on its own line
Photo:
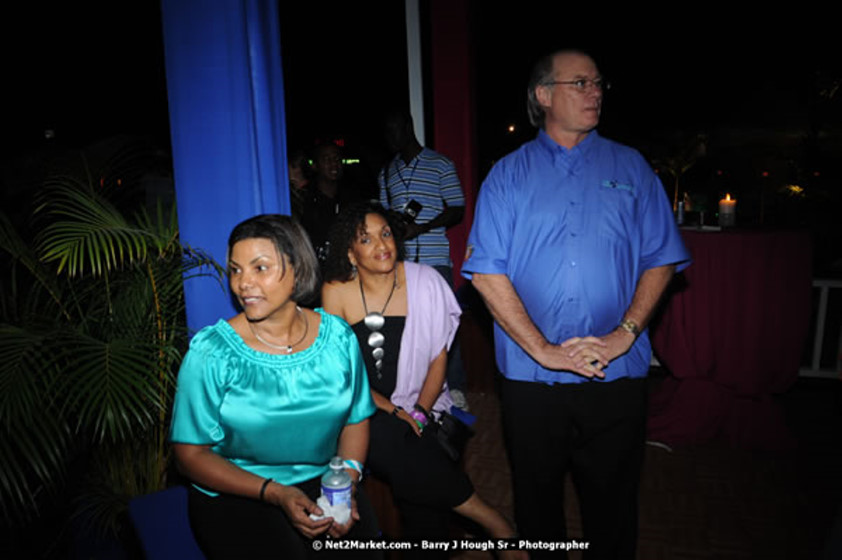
398 161
584 147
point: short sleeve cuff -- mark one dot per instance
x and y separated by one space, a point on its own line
479 265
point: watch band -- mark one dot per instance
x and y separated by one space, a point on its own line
630 326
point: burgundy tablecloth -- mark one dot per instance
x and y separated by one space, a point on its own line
731 336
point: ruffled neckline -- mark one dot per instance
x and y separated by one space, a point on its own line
239 345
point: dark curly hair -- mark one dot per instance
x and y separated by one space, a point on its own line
348 225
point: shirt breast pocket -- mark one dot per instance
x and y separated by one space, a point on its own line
618 209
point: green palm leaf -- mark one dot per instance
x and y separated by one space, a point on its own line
19 251
21 387
88 233
33 435
111 388
99 309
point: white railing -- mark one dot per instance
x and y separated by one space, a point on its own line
815 368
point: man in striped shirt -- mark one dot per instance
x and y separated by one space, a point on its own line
428 178
424 186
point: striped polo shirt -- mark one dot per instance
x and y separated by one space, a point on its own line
431 180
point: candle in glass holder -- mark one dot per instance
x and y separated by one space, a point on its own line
727 211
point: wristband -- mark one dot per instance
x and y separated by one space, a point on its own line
419 417
396 411
423 411
263 488
355 465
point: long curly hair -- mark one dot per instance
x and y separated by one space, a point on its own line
348 225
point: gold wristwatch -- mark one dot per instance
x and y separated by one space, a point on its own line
630 326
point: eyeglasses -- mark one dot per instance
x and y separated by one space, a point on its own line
583 84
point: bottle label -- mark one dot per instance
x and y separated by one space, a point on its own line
337 496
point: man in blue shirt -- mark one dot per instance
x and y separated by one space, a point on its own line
572 247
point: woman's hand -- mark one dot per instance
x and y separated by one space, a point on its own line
298 508
389 407
338 531
404 415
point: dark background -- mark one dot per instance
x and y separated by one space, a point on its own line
91 71
758 86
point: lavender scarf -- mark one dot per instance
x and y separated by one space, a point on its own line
431 321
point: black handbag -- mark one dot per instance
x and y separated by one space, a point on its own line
452 434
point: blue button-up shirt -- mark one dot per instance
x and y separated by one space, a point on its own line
573 229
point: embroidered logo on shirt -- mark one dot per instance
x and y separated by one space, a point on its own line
468 252
617 185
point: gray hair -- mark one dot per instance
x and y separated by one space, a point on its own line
542 74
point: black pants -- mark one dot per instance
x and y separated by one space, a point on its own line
235 527
426 484
596 431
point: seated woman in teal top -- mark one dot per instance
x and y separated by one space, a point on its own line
265 400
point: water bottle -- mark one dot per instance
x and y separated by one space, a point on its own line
336 484
680 218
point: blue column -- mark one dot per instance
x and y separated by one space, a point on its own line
225 90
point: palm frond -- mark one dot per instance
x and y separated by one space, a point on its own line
32 453
111 388
163 228
103 367
19 251
116 474
197 262
21 366
87 233
33 435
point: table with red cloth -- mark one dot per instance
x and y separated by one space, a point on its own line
731 335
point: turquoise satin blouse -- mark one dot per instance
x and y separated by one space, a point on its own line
277 416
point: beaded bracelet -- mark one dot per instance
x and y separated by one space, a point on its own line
419 418
423 411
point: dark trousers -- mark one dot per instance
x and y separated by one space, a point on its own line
595 431
426 484
232 527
